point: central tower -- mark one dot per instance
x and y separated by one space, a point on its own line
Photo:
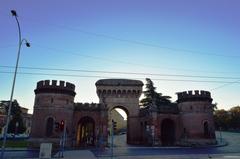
124 94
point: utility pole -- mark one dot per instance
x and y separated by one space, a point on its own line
220 131
112 133
63 135
21 41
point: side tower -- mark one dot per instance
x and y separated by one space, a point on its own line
53 103
196 114
124 94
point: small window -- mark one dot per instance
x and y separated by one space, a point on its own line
190 107
49 127
67 101
51 100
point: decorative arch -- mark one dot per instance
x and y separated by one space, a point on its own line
119 91
104 91
109 92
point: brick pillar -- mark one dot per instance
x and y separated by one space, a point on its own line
133 129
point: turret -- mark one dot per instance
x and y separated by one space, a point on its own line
194 96
196 112
54 102
51 94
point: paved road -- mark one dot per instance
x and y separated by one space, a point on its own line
122 150
233 140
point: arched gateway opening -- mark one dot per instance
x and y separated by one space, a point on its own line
85 132
167 132
118 123
124 94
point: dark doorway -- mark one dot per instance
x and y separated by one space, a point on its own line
206 131
168 132
49 127
85 132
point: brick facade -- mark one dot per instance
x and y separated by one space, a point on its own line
190 123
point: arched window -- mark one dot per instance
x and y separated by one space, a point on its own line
206 129
49 127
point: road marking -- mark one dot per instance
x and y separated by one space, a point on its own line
231 156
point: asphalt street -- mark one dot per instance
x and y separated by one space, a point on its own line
121 149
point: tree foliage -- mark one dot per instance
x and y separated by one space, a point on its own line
227 120
16 124
153 98
235 117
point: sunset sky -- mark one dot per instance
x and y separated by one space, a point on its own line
191 45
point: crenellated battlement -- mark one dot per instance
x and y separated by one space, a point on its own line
195 95
88 106
118 92
52 86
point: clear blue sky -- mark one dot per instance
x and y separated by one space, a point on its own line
186 37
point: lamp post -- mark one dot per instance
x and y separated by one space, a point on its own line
21 41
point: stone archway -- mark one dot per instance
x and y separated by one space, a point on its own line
168 132
124 93
85 132
121 125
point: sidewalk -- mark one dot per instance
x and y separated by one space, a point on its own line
216 156
86 154
78 154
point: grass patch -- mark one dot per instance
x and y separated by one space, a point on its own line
16 143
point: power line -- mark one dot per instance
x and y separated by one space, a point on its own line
123 62
87 56
224 85
91 76
118 72
134 41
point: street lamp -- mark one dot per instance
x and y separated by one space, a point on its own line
21 41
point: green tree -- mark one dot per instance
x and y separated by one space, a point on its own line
235 117
222 119
152 98
16 124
